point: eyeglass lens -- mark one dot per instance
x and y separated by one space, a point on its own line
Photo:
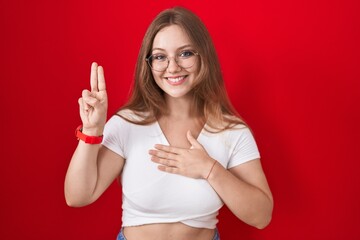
159 62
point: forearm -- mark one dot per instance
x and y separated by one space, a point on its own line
81 177
249 203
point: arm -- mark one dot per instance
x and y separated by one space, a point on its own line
245 192
93 167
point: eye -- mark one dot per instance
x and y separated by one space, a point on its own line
186 54
158 57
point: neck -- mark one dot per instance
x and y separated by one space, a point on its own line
179 108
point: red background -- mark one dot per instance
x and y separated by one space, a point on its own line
292 71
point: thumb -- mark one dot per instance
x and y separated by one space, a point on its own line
194 143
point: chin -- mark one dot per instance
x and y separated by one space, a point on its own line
178 94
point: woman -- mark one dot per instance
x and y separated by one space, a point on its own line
180 148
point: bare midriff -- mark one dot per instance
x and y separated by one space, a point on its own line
167 231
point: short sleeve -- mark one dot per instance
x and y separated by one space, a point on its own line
244 148
115 133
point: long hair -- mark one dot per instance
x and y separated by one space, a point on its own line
210 100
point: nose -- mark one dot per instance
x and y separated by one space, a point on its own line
173 66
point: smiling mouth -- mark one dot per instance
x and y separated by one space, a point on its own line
175 80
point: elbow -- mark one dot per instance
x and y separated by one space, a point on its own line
74 204
263 224
259 221
263 221
73 201
265 218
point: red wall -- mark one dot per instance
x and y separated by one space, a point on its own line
292 70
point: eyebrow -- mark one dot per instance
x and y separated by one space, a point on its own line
180 48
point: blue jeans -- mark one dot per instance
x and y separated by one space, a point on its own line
122 237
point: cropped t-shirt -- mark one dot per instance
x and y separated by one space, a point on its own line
152 196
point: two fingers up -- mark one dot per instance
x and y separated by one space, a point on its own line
93 104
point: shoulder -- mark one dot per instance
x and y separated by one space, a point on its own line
122 118
228 123
236 131
132 116
240 132
122 123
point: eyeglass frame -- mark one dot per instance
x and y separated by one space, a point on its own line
168 60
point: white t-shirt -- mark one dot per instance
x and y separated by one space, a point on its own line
153 196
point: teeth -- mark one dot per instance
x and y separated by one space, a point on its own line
175 80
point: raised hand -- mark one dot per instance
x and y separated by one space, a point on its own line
193 162
93 104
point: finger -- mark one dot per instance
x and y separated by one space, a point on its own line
168 169
101 79
194 143
90 103
94 77
164 155
88 99
168 149
81 105
165 162
83 111
85 95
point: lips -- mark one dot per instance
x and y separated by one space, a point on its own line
174 81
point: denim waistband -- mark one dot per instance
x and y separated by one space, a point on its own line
122 237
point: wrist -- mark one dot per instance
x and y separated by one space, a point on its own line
212 166
95 138
92 131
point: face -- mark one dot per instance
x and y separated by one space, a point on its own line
175 81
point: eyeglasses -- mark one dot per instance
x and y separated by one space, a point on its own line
160 62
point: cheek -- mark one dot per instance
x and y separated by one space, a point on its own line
157 77
197 74
195 69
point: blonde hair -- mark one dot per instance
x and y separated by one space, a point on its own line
210 100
